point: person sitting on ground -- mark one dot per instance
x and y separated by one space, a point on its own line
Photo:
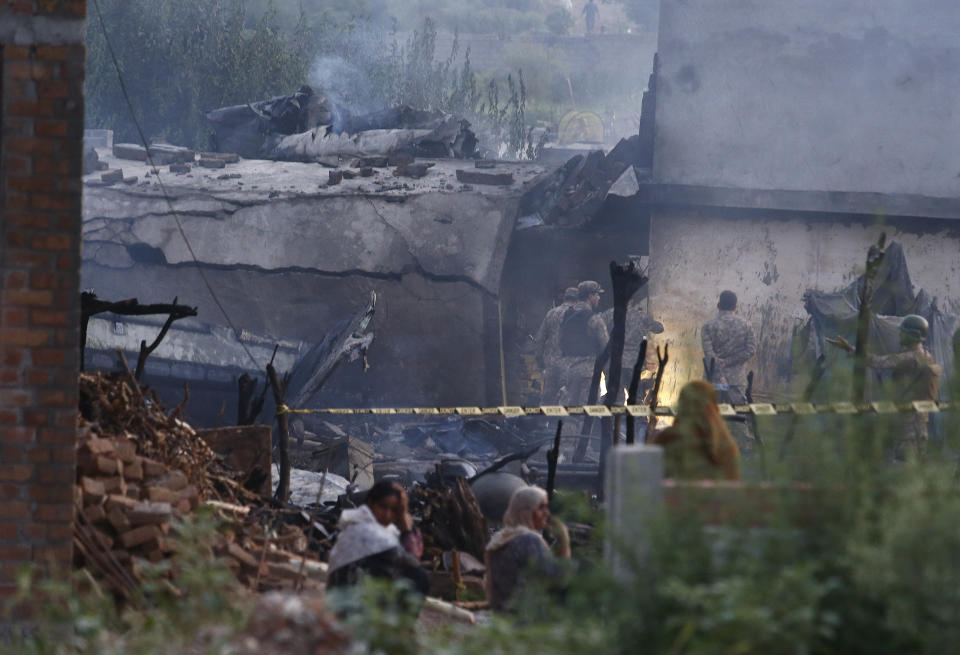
698 445
518 552
378 539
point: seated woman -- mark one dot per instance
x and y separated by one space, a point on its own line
518 552
378 539
698 445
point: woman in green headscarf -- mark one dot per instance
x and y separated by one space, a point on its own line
698 445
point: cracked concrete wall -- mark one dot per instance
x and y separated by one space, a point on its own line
859 95
293 264
769 261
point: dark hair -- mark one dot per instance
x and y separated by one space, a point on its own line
383 489
728 301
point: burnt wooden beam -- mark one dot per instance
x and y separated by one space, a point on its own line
874 260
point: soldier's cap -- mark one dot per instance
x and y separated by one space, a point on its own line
587 288
728 301
570 294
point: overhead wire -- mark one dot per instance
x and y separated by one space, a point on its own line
163 189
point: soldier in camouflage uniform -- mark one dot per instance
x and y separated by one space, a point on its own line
728 342
548 348
639 325
915 376
583 336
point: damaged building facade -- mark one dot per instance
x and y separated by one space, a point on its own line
788 136
289 255
773 149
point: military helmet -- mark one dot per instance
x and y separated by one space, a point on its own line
915 327
587 288
570 295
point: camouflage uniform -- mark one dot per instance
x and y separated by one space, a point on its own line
728 340
578 369
548 353
916 376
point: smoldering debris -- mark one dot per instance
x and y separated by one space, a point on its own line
305 126
574 194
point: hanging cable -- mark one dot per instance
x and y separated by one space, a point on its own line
163 189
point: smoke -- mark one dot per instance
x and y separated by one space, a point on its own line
346 85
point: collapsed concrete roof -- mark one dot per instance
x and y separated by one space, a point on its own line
283 216
290 254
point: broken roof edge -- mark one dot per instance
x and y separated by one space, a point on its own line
831 202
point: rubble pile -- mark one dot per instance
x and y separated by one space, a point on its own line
139 470
117 409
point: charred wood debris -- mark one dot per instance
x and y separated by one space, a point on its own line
140 467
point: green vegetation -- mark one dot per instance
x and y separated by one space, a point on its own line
182 58
206 609
862 559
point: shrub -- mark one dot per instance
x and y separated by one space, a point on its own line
182 58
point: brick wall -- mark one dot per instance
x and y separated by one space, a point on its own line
40 191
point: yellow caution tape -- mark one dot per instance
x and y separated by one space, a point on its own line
642 411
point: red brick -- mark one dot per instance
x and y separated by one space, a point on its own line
10 376
34 298
62 435
52 202
33 221
33 145
16 240
54 52
28 70
14 553
52 242
34 417
23 337
16 509
15 280
48 317
9 417
10 491
14 398
31 108
48 357
16 164
31 259
45 165
57 511
50 494
16 434
52 476
18 200
14 318
50 128
8 531
39 456
17 52
44 280
31 183
52 89
12 357
38 378
15 473
52 398
66 263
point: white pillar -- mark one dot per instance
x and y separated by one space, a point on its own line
633 493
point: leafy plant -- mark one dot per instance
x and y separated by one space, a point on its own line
182 58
